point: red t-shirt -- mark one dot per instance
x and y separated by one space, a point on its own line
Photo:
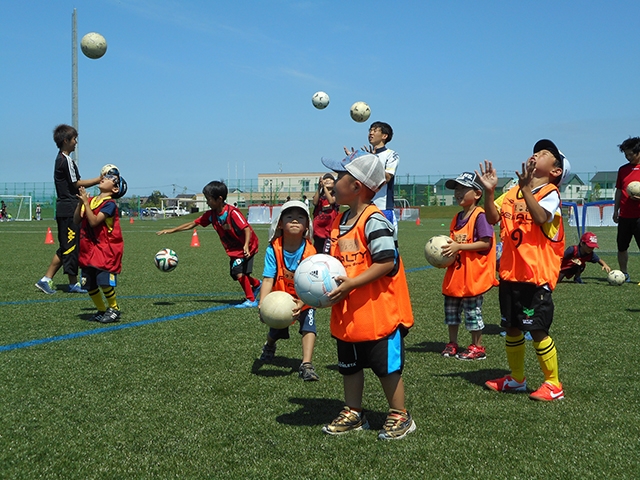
323 216
628 173
230 225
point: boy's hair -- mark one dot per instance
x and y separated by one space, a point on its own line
215 190
63 133
385 128
631 143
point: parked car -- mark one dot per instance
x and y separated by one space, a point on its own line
175 212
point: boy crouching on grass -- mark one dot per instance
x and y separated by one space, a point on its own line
371 310
101 244
289 244
473 273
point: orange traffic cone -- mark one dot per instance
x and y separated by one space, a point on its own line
130 219
418 221
48 240
194 239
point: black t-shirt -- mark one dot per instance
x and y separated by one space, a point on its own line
65 176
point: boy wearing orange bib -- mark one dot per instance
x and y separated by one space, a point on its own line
532 236
289 244
371 310
473 272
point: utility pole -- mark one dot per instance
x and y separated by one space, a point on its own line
74 80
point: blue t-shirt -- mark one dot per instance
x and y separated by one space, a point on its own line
291 260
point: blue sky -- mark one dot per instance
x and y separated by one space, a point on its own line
192 91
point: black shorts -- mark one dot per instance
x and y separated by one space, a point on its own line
525 306
69 240
383 356
240 266
628 228
94 278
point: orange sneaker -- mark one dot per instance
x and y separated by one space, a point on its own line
548 393
506 384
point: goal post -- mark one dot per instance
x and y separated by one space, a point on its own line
18 207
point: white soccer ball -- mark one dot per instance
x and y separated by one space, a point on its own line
104 170
633 189
360 112
315 278
616 277
276 309
433 252
166 260
320 100
93 45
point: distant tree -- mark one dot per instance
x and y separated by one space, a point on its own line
154 199
595 193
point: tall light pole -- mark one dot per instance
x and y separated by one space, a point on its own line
74 80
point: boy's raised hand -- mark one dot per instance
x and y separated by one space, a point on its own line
524 178
488 176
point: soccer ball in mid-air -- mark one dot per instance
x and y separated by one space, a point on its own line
320 100
616 277
315 278
360 112
433 252
105 170
166 260
633 189
276 309
93 45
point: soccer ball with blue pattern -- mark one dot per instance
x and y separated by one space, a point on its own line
166 260
315 278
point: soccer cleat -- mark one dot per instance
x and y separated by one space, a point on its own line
268 352
256 291
548 393
506 384
346 421
46 286
473 352
110 316
76 288
627 279
307 373
450 350
578 280
247 304
397 425
97 317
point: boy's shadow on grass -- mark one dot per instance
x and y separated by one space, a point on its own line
320 411
278 367
478 377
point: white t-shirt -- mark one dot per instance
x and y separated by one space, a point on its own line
384 197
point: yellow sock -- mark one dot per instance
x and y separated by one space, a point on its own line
548 360
96 296
110 295
515 356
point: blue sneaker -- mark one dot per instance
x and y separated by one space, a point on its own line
46 287
77 288
247 304
256 291
626 278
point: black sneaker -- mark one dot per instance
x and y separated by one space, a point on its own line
110 316
268 352
97 317
307 373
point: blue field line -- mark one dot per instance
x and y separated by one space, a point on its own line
121 326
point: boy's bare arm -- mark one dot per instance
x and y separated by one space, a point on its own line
247 239
374 272
454 247
180 228
538 214
488 177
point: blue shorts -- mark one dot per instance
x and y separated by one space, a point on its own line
383 356
307 320
94 278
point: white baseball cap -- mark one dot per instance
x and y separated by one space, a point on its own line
363 166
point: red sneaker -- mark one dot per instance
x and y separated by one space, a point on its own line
506 384
474 352
450 350
548 393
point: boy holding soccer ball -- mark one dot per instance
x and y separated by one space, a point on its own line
237 237
101 243
371 312
289 244
532 236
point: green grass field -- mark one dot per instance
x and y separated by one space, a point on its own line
175 390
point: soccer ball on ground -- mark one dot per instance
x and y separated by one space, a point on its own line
320 100
276 308
360 112
104 170
633 189
616 277
93 45
315 278
433 252
166 260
